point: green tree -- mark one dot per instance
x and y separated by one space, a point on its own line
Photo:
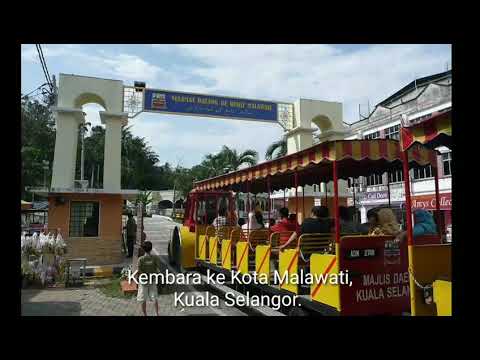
38 142
277 149
234 160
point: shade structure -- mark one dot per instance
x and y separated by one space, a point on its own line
314 165
432 133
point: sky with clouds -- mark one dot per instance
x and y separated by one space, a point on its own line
351 74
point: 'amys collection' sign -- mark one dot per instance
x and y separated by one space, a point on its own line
206 105
428 202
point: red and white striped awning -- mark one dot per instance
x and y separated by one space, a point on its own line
433 132
354 157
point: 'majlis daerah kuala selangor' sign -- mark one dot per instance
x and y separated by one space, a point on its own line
206 105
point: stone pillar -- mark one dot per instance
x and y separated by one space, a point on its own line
299 139
65 157
113 149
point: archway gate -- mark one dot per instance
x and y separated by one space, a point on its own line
126 102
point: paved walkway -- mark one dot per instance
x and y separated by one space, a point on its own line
90 301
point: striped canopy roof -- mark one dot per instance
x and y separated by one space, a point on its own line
432 133
354 158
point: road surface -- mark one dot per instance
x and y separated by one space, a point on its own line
158 231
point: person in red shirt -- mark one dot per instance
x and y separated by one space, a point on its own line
283 226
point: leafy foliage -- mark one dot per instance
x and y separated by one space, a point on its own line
140 164
276 149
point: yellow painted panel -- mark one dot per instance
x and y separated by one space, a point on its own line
325 293
288 258
242 257
212 246
428 263
226 254
203 247
442 295
187 247
262 261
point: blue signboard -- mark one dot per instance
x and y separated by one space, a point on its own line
206 105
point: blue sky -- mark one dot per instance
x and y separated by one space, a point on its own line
351 74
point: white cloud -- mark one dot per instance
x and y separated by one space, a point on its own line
270 72
288 72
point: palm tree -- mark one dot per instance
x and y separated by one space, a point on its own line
228 160
276 149
233 160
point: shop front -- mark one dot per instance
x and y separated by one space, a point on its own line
374 199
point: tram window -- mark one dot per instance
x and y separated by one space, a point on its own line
211 209
423 172
447 163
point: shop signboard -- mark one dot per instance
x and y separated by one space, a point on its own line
212 106
373 197
428 202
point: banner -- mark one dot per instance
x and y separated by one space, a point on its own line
206 105
428 202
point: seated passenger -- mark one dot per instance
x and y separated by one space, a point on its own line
387 224
319 222
241 222
252 223
292 218
259 218
220 220
424 223
283 225
347 225
372 221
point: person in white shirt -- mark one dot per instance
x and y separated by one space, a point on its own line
220 220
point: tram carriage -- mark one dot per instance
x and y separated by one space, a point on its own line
377 266
430 263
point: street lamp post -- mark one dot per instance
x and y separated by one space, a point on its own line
82 130
45 169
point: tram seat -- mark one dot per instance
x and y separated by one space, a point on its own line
314 243
236 235
209 231
223 233
256 237
276 236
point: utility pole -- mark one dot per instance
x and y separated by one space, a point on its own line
173 208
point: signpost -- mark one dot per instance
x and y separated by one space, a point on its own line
181 103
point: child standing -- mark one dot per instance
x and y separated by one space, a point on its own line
148 264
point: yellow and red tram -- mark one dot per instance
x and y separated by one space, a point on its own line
430 264
376 266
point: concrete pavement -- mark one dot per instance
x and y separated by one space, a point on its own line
90 301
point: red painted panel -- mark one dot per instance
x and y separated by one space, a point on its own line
380 283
